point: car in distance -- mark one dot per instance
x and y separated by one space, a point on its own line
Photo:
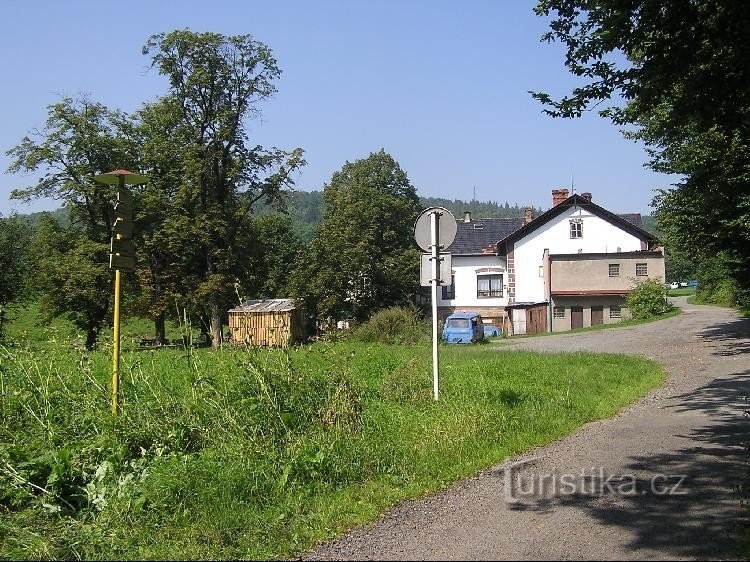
463 327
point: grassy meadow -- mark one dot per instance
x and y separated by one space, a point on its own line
246 453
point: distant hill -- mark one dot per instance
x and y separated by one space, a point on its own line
305 210
650 225
62 215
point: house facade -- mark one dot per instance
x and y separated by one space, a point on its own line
479 272
570 267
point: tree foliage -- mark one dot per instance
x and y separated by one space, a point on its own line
362 258
648 298
71 276
15 266
80 139
216 83
678 70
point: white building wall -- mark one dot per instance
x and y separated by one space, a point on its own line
599 235
465 273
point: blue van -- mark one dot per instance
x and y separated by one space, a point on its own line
463 327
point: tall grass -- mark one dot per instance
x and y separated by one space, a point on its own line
258 453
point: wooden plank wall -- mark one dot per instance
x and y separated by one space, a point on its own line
274 329
536 319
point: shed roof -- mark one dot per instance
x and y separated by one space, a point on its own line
271 305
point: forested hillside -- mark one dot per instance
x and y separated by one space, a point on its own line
305 210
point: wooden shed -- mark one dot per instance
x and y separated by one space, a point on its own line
528 317
273 323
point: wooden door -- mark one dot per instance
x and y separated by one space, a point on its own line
597 315
576 317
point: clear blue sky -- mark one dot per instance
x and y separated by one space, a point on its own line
442 86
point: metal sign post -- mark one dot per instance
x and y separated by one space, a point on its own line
122 257
434 230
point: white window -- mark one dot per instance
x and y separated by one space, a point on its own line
559 312
576 228
614 270
489 286
615 311
641 269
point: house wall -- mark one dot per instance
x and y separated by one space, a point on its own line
586 273
563 324
599 235
465 271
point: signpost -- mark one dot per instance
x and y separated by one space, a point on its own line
121 257
435 230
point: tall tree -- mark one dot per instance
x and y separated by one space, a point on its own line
164 235
678 68
69 276
80 139
362 257
275 248
15 236
217 83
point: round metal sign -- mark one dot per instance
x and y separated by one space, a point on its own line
446 228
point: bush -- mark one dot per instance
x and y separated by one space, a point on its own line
395 325
648 299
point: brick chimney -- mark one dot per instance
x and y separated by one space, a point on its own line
467 216
586 196
558 196
527 215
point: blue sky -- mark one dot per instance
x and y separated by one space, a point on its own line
442 86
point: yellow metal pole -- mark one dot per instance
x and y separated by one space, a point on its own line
116 350
116 335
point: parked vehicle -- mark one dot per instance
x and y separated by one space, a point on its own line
492 331
674 285
463 327
692 283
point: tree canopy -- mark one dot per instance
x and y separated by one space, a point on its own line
673 74
363 257
216 83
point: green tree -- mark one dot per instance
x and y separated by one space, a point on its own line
362 258
216 82
678 69
80 140
276 246
15 236
680 266
69 276
165 248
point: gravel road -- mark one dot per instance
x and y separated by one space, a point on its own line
657 481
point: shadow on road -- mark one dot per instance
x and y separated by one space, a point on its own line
703 516
729 338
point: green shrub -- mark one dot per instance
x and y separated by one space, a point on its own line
721 293
648 299
394 325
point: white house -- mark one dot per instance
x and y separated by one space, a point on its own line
569 267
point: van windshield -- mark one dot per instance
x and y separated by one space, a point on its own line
458 323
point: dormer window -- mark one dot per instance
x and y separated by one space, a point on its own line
576 228
478 226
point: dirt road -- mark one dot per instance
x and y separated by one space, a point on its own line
657 481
